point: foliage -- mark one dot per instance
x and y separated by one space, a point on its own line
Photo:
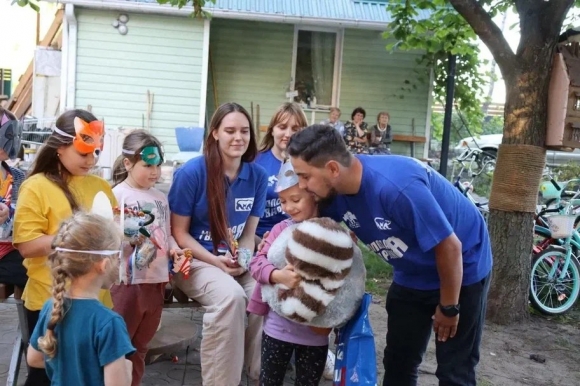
460 129
27 3
567 171
196 4
443 33
379 273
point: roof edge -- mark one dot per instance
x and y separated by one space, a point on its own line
163 9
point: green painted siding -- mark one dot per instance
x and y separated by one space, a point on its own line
251 62
373 78
162 54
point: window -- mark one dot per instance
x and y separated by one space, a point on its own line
315 70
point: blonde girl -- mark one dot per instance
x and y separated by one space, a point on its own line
287 120
140 299
59 184
77 339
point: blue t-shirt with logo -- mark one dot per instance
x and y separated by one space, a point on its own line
89 337
403 210
273 213
245 196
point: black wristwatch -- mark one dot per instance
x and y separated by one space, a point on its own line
449 311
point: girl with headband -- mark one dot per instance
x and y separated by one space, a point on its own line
148 246
59 184
77 339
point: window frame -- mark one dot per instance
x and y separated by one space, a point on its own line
335 100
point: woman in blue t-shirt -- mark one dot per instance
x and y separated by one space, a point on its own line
216 202
287 120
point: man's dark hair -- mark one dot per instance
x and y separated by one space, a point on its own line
318 144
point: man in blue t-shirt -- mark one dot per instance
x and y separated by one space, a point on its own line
435 239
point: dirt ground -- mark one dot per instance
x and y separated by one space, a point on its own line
505 352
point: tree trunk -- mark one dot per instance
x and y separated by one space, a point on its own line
511 232
511 239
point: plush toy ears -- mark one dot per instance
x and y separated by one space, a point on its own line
102 206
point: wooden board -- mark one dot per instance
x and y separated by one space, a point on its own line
409 138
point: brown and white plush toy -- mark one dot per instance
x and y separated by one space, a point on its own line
332 270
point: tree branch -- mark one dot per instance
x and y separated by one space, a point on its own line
481 22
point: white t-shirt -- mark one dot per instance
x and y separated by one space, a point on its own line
155 270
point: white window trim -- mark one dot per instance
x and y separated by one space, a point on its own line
337 59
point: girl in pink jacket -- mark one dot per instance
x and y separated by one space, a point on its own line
282 337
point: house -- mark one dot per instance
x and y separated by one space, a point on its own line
141 64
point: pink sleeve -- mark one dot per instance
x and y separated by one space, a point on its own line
260 266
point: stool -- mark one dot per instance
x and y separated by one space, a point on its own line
10 294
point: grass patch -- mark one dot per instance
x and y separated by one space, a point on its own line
379 272
484 382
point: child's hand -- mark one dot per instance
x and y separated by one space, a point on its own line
181 260
286 276
263 241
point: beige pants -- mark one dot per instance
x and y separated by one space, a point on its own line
227 346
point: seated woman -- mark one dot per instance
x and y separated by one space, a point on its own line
356 132
216 202
382 134
11 269
334 120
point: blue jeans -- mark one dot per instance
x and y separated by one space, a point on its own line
409 330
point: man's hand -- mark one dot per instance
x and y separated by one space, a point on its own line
445 327
286 276
4 213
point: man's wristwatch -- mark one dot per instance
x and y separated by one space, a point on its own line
449 311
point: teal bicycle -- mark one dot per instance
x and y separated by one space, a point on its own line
555 276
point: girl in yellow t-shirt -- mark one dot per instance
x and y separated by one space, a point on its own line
58 185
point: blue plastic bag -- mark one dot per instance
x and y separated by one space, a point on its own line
356 361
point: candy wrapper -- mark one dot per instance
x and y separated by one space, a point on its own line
181 263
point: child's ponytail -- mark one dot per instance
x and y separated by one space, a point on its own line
47 343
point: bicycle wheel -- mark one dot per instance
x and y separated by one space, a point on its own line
553 296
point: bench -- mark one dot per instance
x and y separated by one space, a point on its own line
178 335
10 294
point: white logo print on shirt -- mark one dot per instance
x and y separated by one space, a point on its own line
382 224
272 180
351 220
244 204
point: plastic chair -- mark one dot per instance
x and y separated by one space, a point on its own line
12 295
190 143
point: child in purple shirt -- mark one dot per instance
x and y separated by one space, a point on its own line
282 337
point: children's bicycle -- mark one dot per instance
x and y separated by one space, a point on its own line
555 275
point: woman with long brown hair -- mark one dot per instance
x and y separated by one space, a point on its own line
216 202
287 120
59 184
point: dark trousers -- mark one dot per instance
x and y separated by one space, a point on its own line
410 324
276 354
36 377
12 271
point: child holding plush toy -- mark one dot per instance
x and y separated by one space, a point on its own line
148 243
282 337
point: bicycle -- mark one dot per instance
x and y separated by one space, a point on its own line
555 273
466 160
